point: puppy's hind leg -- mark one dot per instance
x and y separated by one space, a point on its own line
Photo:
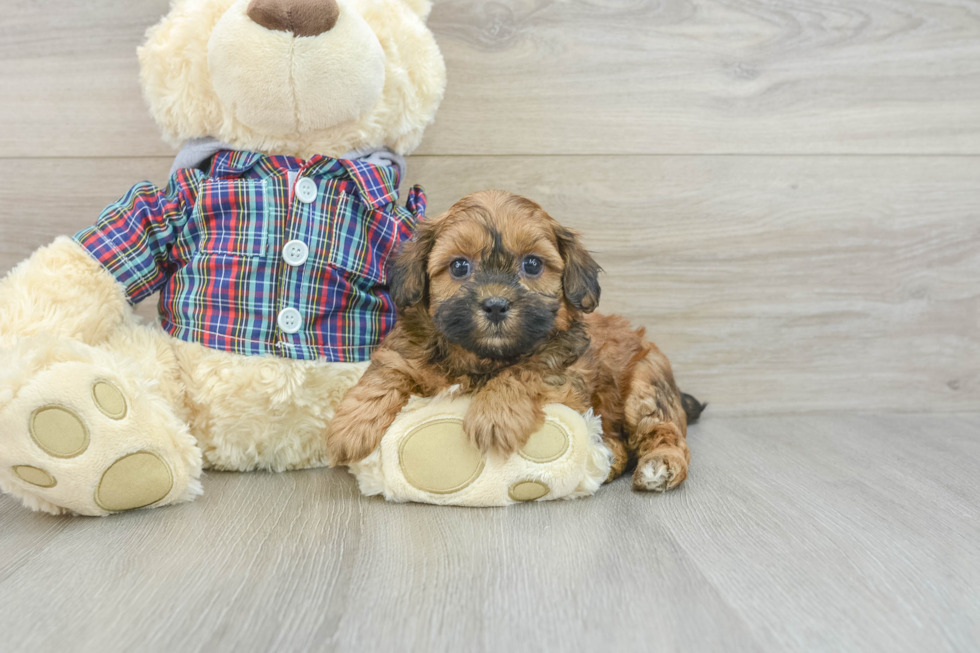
656 426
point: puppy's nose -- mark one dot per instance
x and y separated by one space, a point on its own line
496 309
301 17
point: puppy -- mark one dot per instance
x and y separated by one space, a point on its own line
497 297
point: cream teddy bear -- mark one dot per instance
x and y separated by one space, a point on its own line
268 248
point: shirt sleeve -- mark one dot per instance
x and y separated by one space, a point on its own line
134 236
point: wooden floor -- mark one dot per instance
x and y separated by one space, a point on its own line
811 533
787 194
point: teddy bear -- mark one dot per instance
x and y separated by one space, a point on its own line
268 248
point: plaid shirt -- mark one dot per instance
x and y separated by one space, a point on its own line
212 244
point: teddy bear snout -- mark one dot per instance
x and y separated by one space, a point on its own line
301 17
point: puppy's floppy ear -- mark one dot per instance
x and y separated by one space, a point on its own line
408 280
580 280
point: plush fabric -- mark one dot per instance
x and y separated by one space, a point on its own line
290 115
68 332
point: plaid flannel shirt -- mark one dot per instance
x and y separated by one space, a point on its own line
213 245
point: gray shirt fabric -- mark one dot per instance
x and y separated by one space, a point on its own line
197 150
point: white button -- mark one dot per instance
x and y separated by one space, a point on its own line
295 253
306 190
290 320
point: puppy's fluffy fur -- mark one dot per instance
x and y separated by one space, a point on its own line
495 296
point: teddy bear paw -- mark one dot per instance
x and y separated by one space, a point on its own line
427 457
80 438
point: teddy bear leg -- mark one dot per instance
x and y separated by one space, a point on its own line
425 456
90 401
85 431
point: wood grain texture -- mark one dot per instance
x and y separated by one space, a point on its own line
774 284
783 539
719 76
547 77
70 78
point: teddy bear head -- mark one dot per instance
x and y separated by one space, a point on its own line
294 77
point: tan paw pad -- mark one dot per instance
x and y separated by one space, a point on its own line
109 400
134 481
528 490
437 457
35 476
59 432
546 445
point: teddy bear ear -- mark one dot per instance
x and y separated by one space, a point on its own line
174 69
421 7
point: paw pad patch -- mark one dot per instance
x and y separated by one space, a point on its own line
437 457
35 476
134 481
109 400
548 444
59 432
528 490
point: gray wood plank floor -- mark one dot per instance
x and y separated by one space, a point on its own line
591 77
794 533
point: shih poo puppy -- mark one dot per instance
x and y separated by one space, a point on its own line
497 297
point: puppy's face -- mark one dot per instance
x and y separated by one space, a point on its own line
497 275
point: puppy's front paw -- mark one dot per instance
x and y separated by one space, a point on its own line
351 439
500 425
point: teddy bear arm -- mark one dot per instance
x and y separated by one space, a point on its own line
82 288
61 291
137 238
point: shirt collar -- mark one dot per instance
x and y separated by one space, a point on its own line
377 184
233 163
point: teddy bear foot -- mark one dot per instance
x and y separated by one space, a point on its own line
79 437
426 457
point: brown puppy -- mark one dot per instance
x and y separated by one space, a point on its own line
493 295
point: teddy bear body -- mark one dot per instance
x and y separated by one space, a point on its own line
269 256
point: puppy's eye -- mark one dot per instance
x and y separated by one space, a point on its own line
533 266
459 268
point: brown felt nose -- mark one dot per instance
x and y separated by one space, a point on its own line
301 17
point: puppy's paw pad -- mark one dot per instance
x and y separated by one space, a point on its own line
59 432
546 445
438 457
35 476
528 490
134 481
